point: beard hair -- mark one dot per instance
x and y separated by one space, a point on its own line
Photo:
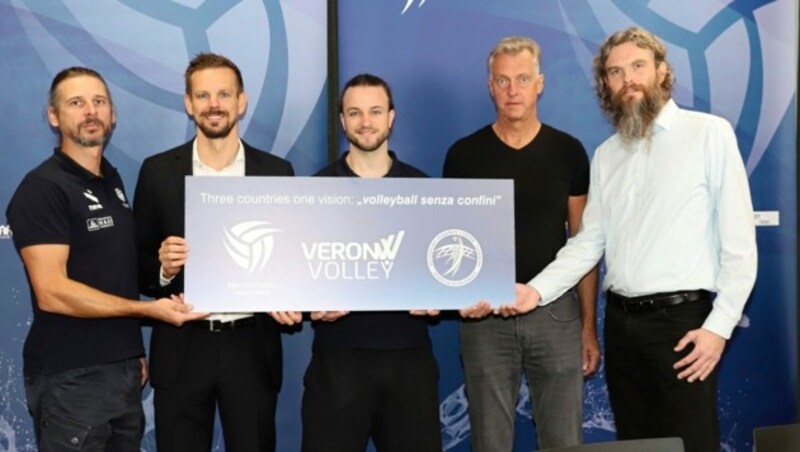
212 133
633 120
353 139
81 140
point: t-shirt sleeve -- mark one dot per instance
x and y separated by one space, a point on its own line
580 178
38 214
451 166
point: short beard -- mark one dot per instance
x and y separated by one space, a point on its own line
354 141
87 142
214 134
633 120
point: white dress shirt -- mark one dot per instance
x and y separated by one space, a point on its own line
236 168
671 213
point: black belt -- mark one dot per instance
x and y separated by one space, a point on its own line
654 301
218 325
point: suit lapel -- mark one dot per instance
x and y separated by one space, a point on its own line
251 161
182 167
183 160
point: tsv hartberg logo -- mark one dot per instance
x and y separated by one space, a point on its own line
455 258
250 244
121 197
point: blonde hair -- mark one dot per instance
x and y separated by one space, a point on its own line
513 45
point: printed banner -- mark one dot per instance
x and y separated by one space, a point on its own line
327 244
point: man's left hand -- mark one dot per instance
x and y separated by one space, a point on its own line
287 317
421 312
705 356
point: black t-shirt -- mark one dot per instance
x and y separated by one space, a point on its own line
59 202
546 172
372 330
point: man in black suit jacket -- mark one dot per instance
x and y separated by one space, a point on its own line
231 360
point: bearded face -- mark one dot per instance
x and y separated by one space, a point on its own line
216 102
633 91
367 118
216 122
635 108
89 133
83 112
367 139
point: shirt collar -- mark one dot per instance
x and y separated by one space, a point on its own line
196 157
666 115
106 170
345 170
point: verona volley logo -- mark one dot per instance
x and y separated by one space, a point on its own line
455 258
250 244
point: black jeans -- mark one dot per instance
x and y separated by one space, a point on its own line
646 396
97 408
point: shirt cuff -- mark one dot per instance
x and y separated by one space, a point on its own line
719 323
162 279
546 294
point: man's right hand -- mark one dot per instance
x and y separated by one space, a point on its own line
172 255
173 310
328 316
527 299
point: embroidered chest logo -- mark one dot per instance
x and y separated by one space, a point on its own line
96 224
95 202
121 197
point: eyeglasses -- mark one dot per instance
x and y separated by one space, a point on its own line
522 81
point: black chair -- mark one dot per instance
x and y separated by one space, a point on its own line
632 445
778 438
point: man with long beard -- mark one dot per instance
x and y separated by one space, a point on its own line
230 361
74 231
669 205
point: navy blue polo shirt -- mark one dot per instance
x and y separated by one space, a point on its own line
60 202
373 330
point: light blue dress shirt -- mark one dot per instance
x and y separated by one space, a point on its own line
671 212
